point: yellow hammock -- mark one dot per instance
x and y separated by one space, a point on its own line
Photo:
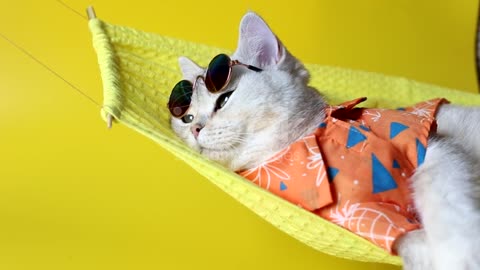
138 71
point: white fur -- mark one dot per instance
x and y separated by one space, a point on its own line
447 197
271 109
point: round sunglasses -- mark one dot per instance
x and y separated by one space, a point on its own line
216 79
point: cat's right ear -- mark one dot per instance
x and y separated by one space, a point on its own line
189 68
257 44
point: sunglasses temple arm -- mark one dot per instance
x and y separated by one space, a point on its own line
254 68
236 62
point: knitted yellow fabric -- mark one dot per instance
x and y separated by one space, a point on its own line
138 71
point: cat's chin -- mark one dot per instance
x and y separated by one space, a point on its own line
221 156
213 153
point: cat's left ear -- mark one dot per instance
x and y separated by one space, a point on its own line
257 44
189 68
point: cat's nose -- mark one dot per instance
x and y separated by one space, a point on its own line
196 128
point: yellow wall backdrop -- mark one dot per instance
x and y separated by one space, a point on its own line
74 195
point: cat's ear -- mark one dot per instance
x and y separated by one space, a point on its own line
189 68
257 43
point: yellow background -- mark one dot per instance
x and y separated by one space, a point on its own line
74 195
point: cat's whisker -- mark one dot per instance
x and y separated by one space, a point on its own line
238 141
245 133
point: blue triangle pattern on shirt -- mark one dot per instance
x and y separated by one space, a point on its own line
332 172
283 186
421 151
382 179
354 137
395 164
396 128
364 128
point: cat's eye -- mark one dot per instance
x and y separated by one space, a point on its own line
216 78
222 100
188 118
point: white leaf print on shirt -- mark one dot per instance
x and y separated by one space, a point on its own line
375 116
267 170
362 221
424 110
315 159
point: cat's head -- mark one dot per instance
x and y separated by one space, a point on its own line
258 113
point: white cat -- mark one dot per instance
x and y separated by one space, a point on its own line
260 113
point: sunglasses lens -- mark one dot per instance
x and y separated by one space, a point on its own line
218 73
180 98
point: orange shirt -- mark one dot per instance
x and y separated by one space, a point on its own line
354 169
